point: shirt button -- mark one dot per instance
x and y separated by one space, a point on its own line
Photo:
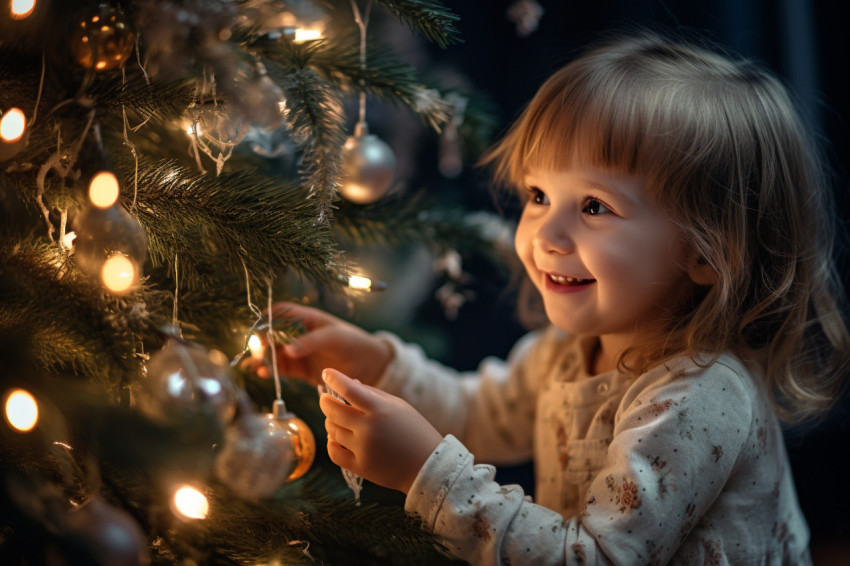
602 388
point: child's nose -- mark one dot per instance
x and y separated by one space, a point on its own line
553 237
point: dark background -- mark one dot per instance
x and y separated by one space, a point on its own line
805 43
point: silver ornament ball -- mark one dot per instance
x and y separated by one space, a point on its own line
368 167
184 382
256 457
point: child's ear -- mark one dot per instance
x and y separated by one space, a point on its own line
699 271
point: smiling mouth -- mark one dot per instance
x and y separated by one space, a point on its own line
567 281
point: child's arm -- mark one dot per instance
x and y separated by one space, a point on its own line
377 436
695 470
328 342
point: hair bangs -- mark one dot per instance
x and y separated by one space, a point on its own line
580 119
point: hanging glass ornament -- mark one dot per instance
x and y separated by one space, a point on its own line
262 452
525 14
102 41
368 164
185 381
270 143
450 161
98 533
368 167
110 246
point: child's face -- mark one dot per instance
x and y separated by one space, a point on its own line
605 259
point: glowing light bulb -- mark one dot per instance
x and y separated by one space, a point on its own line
103 189
256 346
68 239
357 282
12 125
22 8
118 273
21 410
307 34
191 503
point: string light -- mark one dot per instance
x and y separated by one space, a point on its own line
21 410
361 283
194 129
103 190
22 8
12 125
307 34
256 346
68 239
118 273
190 503
357 282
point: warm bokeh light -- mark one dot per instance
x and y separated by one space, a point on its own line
118 273
307 34
22 8
219 358
357 282
103 189
191 503
12 125
256 346
21 410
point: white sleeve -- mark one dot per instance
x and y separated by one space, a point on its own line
485 523
490 410
675 445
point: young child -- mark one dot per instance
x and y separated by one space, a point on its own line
677 226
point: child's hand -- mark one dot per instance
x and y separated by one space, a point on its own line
328 342
378 436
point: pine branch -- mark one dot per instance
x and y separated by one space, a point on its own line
338 61
136 95
316 124
92 334
228 221
429 18
408 219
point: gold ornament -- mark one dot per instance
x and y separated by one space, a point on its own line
368 167
102 41
302 440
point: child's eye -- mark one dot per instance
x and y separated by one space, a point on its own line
594 207
537 196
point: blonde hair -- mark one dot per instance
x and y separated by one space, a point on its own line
727 157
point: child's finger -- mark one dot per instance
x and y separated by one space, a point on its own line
341 456
309 317
339 434
338 412
307 344
351 390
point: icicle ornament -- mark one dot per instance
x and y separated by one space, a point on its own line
352 480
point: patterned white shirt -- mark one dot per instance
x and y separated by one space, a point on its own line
682 465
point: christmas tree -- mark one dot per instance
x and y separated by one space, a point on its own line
169 169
